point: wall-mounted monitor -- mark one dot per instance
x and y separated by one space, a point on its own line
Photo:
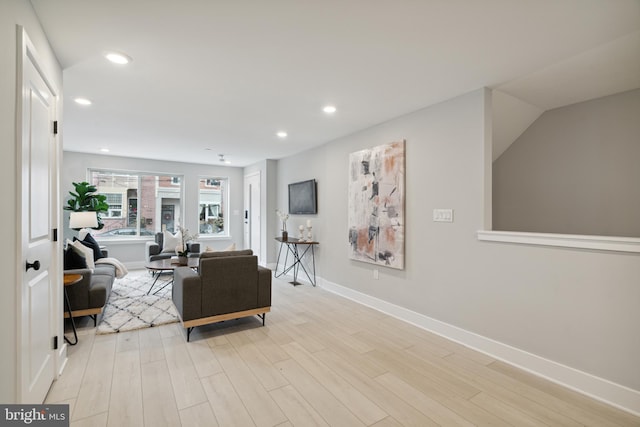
302 198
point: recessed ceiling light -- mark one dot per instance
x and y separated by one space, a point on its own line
281 134
118 58
104 150
82 101
329 109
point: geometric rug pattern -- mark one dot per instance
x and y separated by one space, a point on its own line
129 307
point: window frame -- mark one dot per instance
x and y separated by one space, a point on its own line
120 209
224 205
139 175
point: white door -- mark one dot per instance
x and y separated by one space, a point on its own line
252 213
37 296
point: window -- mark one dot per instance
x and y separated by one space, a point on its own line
140 204
213 207
115 205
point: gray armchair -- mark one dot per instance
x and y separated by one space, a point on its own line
228 285
153 250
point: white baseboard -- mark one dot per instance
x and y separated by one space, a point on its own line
271 266
598 388
62 358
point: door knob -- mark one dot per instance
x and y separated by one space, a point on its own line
35 265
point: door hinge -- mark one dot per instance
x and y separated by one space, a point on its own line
55 342
55 127
55 235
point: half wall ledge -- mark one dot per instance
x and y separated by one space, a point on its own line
576 241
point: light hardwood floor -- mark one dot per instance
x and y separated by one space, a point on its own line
320 360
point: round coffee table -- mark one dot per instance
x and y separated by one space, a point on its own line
166 265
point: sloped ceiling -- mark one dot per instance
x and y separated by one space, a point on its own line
222 77
511 117
604 70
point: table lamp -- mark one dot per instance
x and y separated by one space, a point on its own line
80 220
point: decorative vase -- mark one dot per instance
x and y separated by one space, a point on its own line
182 260
285 235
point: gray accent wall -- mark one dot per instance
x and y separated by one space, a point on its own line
576 307
576 170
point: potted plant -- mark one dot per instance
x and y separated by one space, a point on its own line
86 199
283 217
183 250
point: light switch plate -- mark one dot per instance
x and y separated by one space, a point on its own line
443 215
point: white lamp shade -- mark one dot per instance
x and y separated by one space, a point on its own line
83 220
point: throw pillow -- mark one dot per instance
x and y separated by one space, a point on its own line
90 242
231 247
82 233
84 251
170 241
73 260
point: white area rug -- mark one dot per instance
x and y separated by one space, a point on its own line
129 307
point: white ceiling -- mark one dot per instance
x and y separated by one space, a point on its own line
213 76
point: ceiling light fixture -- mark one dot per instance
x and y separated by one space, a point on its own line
329 109
104 150
118 58
82 101
281 134
222 159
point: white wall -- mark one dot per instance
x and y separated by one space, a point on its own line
12 13
268 180
74 169
578 308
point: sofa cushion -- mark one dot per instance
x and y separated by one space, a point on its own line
226 253
99 290
93 290
171 241
231 247
90 242
84 251
73 260
105 270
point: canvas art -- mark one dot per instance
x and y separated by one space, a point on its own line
376 205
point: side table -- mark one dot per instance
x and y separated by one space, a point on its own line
70 279
297 254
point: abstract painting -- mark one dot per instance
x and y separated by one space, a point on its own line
376 205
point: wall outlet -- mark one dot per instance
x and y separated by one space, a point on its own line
443 215
375 274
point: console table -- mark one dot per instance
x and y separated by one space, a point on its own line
297 249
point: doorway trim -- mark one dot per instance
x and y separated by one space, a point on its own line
255 215
28 53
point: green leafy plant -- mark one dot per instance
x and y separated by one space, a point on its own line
86 199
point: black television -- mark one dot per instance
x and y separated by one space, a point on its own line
302 198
